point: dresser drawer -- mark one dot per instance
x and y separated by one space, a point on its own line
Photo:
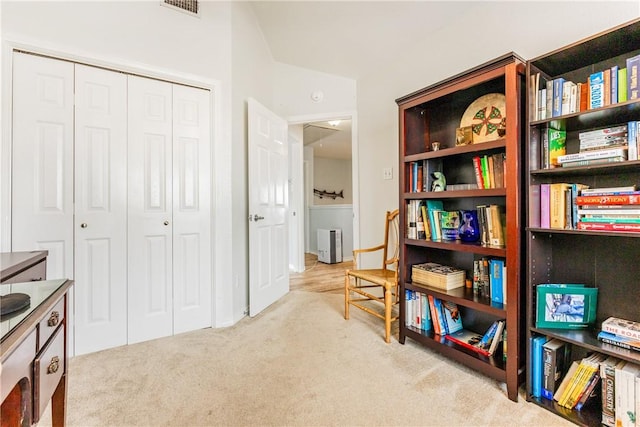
50 322
31 274
48 369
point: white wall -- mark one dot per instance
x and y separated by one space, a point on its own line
332 175
252 76
488 30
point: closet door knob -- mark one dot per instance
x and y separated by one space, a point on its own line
166 223
84 225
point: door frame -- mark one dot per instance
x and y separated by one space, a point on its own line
221 198
355 182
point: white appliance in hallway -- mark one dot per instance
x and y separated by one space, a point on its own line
330 246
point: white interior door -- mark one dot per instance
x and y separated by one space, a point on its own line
101 209
150 222
268 207
42 161
191 207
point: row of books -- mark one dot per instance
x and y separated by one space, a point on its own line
486 344
428 220
621 333
574 206
426 312
574 384
420 176
559 96
490 279
490 170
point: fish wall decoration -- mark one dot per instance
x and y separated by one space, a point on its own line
328 194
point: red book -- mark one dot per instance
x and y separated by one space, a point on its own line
599 226
468 339
477 167
616 199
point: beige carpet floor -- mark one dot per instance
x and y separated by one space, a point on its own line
299 363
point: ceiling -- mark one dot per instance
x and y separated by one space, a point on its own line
330 141
350 38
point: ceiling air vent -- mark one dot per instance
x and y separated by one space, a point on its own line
190 6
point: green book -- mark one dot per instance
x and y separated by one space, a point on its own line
622 84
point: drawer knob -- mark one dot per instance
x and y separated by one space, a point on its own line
53 319
54 365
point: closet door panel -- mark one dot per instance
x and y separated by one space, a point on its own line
42 160
101 209
191 209
150 221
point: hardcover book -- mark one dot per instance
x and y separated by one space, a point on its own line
556 357
467 339
625 394
596 90
622 327
633 85
565 306
536 362
607 373
620 341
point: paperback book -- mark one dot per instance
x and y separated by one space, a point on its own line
622 327
620 341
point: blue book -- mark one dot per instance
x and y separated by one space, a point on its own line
620 340
451 317
596 90
414 184
633 85
426 313
557 97
536 362
496 267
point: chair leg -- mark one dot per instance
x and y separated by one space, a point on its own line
387 314
346 296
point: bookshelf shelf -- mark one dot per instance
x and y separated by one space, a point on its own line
490 192
459 246
433 114
492 366
463 297
603 259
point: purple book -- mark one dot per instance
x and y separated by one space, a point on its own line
545 221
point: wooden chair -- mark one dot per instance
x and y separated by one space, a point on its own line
385 279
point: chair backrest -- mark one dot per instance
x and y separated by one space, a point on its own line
391 240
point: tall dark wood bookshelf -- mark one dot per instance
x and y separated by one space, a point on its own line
606 260
433 114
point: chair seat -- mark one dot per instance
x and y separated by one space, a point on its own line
376 275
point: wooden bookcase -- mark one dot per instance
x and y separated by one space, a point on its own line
433 114
606 260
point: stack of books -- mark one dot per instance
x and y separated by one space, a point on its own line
438 276
609 209
621 333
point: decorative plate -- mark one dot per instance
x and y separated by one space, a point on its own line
484 115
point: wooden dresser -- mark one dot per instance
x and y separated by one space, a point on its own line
33 347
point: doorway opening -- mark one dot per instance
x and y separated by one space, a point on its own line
324 186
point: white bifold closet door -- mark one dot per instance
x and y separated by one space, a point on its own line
169 237
135 154
101 209
42 160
